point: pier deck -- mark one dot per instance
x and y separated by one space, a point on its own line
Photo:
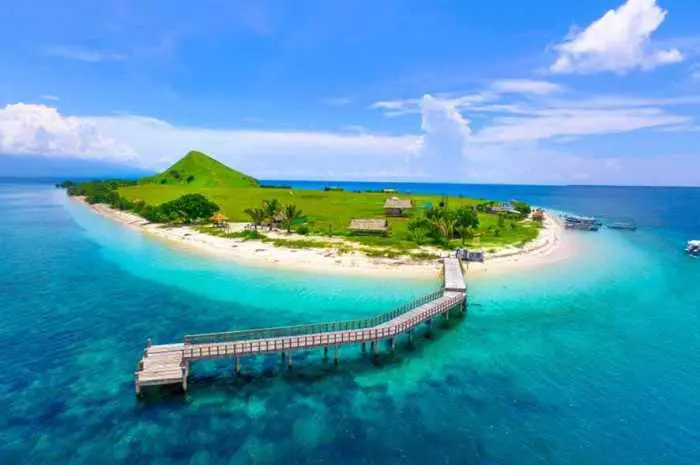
169 363
454 277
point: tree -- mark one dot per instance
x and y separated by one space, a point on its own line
257 216
523 208
291 214
442 221
466 219
189 208
418 229
271 209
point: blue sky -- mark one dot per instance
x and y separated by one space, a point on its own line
596 92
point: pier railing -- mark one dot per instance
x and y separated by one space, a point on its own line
306 341
313 328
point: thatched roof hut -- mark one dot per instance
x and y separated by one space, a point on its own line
369 225
219 219
395 206
395 202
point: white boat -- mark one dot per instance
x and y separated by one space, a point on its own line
693 248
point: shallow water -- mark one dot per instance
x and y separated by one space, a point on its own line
592 361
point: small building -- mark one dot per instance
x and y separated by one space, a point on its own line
470 255
369 226
395 206
503 208
219 220
276 221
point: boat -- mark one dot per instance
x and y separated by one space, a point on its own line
581 223
693 248
622 225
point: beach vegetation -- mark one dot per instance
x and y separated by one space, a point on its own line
256 215
424 256
272 209
440 221
188 208
291 215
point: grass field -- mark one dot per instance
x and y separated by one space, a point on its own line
332 211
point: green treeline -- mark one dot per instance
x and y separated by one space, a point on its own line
188 208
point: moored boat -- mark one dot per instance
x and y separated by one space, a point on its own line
622 225
581 223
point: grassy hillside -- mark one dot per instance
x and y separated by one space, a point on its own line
334 210
197 169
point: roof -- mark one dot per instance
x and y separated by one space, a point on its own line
395 202
371 224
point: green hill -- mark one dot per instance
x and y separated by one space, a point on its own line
200 170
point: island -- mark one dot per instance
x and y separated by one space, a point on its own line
203 204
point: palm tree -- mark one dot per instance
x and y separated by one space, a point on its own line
257 216
466 219
271 209
443 221
291 214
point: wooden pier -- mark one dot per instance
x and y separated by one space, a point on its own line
169 363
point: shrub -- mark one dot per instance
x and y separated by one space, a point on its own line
302 229
424 256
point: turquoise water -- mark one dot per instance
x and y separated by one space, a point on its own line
593 361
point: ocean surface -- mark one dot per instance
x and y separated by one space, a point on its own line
591 361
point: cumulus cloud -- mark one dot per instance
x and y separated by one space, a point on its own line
42 130
619 41
445 135
446 148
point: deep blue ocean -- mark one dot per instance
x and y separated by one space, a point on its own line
595 360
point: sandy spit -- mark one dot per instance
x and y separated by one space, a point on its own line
551 245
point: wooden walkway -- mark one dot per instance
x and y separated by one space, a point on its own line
169 363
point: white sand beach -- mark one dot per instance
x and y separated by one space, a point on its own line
551 245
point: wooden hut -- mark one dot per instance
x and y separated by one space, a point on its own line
369 226
395 206
219 220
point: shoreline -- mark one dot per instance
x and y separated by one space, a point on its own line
551 245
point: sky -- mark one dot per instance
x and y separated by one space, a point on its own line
536 92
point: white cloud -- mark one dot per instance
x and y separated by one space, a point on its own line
445 136
398 107
507 150
53 98
81 54
565 122
526 86
619 41
39 129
